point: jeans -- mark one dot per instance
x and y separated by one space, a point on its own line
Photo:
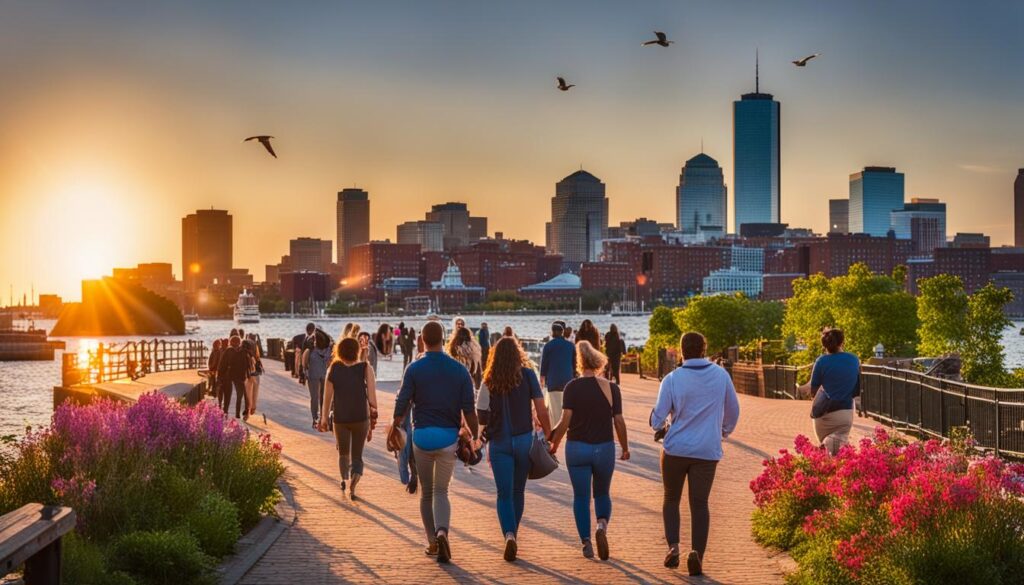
351 438
510 464
590 463
406 459
316 395
435 469
674 473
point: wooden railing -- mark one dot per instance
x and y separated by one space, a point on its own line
31 535
131 360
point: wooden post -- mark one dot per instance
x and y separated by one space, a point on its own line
44 567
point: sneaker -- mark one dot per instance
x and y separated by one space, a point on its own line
693 564
588 549
511 548
672 558
431 550
602 543
343 486
444 550
352 489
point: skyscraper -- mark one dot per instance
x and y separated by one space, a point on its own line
428 234
922 221
353 222
454 220
701 195
310 254
579 218
756 175
206 254
838 216
1018 210
874 193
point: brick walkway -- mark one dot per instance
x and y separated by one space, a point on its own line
379 538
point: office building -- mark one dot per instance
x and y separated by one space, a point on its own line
579 218
454 220
834 254
305 286
756 158
477 228
374 262
309 254
428 234
206 253
353 222
1018 210
838 216
701 195
923 222
875 193
970 240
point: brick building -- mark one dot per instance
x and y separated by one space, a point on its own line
834 254
371 263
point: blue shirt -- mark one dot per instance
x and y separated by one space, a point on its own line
558 363
439 388
703 406
484 336
839 375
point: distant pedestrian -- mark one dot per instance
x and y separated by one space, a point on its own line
567 333
508 396
614 347
557 367
367 350
316 360
249 349
466 351
211 368
508 332
407 342
591 411
484 339
350 330
587 332
232 372
299 345
698 401
440 391
835 381
350 394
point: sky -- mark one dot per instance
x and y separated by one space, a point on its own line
117 119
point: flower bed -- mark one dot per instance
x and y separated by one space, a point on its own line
160 490
893 512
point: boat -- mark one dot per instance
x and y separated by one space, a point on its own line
191 317
25 344
247 308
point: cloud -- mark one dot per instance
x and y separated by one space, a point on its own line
985 169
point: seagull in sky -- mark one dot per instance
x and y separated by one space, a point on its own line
562 85
661 40
265 141
803 62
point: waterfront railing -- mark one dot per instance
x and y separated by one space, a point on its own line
131 360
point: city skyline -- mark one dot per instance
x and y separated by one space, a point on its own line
484 126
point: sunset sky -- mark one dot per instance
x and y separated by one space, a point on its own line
117 119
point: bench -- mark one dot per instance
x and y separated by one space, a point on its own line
31 535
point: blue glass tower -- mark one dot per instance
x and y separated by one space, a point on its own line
756 145
700 197
875 193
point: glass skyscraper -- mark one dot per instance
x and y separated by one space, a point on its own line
922 221
756 159
579 218
701 195
875 193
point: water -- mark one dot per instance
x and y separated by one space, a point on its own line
26 388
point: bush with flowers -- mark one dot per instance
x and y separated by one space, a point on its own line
151 474
894 512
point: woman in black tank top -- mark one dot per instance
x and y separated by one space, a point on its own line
350 394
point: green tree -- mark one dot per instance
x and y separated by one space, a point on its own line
982 354
662 332
942 311
728 320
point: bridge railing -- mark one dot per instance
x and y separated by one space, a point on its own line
131 360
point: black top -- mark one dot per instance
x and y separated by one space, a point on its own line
516 408
298 340
234 365
591 415
351 402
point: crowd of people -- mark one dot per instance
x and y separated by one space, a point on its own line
463 392
235 364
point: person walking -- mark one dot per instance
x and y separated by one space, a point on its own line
232 371
315 361
367 351
587 332
698 401
299 345
466 351
835 381
508 396
407 342
557 360
440 391
591 410
249 349
350 393
211 368
614 347
484 340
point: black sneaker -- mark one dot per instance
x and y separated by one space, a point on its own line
602 543
444 551
672 558
511 548
588 549
693 564
343 486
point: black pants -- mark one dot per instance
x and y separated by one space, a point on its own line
225 391
701 474
614 365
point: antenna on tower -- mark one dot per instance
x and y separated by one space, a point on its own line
757 71
702 145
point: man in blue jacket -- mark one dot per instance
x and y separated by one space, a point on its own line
557 368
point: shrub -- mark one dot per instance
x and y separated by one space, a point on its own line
161 558
214 522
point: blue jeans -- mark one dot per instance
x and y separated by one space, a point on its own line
510 464
406 461
588 463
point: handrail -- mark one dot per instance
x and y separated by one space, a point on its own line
131 360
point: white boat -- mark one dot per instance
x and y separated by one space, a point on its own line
191 317
247 308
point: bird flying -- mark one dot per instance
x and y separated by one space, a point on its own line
661 40
562 85
803 62
265 141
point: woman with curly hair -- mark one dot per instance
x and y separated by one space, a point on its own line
587 332
467 352
509 395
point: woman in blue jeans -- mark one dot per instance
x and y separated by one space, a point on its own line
509 395
591 409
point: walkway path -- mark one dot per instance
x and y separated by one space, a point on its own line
379 538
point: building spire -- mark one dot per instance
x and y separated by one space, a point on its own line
702 145
757 71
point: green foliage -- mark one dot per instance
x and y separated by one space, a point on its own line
942 310
728 320
248 478
161 558
663 332
214 522
778 525
84 564
869 308
663 322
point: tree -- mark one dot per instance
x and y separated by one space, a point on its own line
728 320
942 311
982 354
662 332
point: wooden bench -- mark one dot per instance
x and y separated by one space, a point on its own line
31 535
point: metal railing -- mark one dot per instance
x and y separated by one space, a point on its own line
131 360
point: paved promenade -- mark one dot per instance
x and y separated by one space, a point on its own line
379 538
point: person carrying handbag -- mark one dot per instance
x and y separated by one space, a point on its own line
508 396
591 412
